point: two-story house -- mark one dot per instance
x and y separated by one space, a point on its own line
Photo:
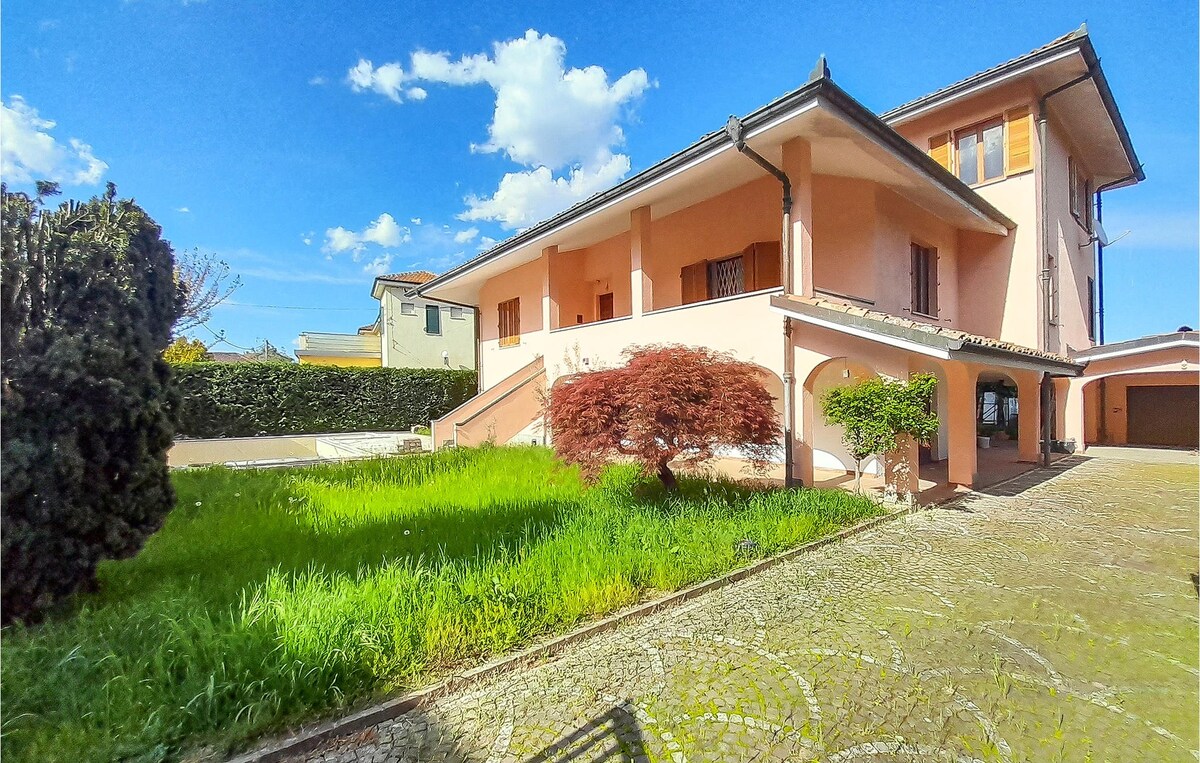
953 235
410 331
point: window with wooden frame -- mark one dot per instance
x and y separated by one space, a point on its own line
979 151
510 322
604 306
997 147
924 280
756 268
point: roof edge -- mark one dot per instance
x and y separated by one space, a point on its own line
821 87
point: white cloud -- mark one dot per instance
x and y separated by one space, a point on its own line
387 80
415 221
307 238
527 197
487 242
464 236
183 210
384 231
317 80
380 265
29 152
562 124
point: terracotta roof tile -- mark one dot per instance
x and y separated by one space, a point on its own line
888 319
412 276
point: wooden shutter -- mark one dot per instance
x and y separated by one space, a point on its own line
1018 141
932 268
694 282
510 322
763 265
939 149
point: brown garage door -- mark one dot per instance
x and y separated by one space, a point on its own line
1164 416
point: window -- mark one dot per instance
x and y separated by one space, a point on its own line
510 322
408 308
726 277
1081 195
924 280
980 152
604 306
433 319
456 313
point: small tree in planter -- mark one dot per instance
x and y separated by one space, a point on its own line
666 403
873 413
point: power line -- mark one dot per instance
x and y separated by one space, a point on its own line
296 307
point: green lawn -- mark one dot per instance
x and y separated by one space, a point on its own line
272 597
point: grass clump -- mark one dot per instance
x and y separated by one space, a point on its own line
273 596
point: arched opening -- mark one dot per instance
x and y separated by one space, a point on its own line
832 464
1154 409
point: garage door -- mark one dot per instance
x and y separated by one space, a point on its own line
1164 416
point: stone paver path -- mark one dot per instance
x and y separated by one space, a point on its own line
1053 620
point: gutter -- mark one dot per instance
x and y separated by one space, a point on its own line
821 87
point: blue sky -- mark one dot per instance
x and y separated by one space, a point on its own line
305 145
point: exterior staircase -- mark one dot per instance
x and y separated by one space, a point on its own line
498 414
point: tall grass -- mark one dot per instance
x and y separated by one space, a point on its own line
271 597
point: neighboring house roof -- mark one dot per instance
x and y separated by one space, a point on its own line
926 338
370 328
1141 344
1075 41
412 276
821 88
228 357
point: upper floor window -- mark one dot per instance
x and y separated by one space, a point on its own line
408 308
510 322
1081 194
989 150
433 319
924 280
757 267
456 313
980 152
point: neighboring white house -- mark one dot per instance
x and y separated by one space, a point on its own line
410 331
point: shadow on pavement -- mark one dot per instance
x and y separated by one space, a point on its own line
614 736
1014 486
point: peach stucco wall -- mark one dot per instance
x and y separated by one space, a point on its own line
844 228
580 276
1080 407
1002 274
718 227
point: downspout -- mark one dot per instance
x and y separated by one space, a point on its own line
1047 277
1044 204
1100 256
737 133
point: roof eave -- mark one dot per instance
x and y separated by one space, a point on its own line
817 89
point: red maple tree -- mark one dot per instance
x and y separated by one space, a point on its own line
667 403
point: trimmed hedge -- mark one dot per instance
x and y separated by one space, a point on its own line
251 399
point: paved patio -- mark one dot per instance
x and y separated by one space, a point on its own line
1053 619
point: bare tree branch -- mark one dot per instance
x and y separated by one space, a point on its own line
204 282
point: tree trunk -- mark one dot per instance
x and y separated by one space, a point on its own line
857 478
667 477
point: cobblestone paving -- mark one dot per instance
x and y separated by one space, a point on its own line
1046 622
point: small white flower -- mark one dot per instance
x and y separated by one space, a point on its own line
237 495
406 532
198 503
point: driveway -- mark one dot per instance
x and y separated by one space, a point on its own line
1055 619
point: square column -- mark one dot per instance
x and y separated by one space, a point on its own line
1029 417
797 164
549 303
641 287
960 403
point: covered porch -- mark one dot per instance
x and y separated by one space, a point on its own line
990 398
